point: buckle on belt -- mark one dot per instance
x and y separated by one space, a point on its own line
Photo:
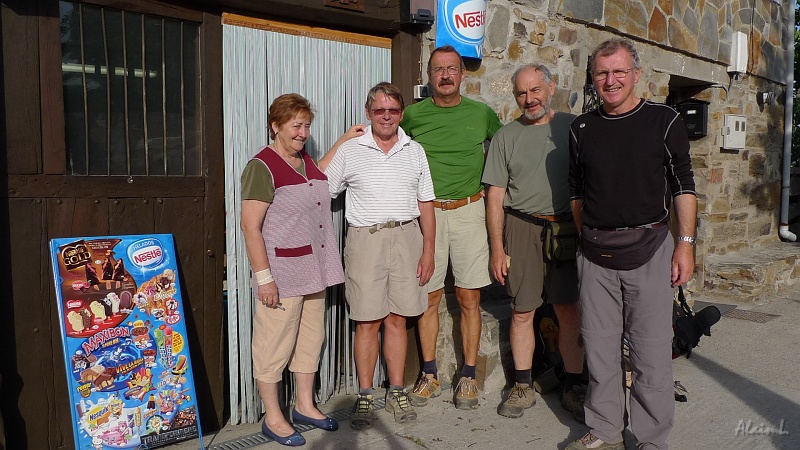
388 224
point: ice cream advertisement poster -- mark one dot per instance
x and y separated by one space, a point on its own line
125 343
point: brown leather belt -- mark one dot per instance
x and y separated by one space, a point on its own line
548 218
448 205
538 219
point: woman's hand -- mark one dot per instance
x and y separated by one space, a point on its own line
268 295
354 131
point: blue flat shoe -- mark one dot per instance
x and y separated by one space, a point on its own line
325 424
294 440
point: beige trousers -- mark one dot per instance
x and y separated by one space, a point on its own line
293 337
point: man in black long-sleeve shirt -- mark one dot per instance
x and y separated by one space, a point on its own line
628 160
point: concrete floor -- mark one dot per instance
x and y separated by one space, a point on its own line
742 384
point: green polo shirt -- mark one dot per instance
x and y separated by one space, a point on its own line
453 141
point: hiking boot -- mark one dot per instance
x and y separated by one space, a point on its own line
361 417
397 403
520 398
426 387
466 394
590 441
572 400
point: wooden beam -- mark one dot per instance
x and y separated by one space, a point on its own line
52 186
380 18
406 52
54 150
213 245
305 31
19 25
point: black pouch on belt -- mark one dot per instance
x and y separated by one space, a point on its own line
621 249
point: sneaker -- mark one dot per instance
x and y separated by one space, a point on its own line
521 397
361 417
398 404
466 394
426 387
572 400
590 441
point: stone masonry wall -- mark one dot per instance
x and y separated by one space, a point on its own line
678 40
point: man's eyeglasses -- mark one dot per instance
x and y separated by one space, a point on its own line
452 70
383 111
619 74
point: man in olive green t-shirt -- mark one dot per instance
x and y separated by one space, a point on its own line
452 130
526 172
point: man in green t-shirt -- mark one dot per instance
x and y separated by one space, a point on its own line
527 170
452 130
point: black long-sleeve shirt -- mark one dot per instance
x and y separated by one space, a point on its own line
627 167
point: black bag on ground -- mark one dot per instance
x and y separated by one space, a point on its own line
622 249
688 327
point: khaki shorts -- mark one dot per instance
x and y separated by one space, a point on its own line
531 278
461 239
381 272
293 337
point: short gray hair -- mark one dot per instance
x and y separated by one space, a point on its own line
611 46
387 89
547 77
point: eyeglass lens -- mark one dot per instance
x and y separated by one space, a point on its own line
617 73
383 111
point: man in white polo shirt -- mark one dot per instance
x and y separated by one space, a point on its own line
389 248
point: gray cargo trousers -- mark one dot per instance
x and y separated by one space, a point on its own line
637 305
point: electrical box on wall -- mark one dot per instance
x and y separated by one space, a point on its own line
734 132
417 11
738 53
695 115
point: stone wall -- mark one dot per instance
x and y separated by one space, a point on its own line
685 50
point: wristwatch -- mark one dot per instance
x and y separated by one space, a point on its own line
690 239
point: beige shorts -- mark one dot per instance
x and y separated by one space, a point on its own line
293 337
461 239
381 272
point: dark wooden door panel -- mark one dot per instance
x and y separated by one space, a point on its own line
77 217
34 401
184 219
131 216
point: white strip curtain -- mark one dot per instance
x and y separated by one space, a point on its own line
258 66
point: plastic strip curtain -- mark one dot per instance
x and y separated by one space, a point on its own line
245 111
335 77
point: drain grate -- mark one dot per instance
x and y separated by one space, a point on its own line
253 440
752 316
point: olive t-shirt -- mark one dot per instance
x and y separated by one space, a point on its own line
532 163
257 181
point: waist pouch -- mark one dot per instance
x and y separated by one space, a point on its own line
561 240
623 249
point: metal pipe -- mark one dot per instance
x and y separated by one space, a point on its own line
783 230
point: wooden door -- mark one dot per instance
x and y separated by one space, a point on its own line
47 198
